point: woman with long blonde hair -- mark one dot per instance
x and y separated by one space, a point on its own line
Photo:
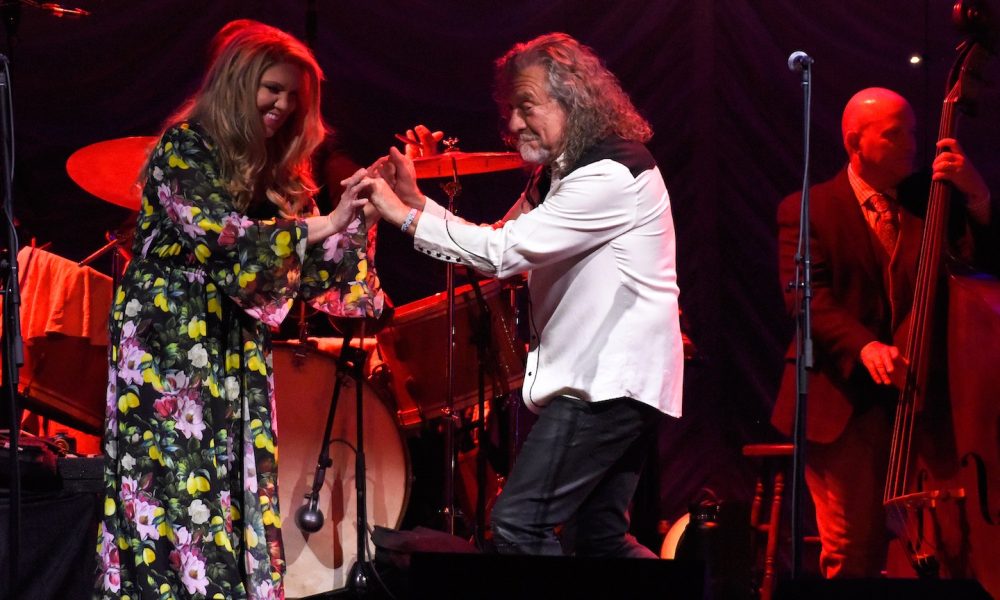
227 237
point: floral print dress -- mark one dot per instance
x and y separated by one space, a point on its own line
191 506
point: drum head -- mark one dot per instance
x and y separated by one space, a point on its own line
303 385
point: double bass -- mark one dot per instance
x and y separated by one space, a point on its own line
941 491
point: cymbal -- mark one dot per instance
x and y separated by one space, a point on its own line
110 169
456 162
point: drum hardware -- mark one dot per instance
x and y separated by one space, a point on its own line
452 189
451 163
309 517
488 362
118 242
111 171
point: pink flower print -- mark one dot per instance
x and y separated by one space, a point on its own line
333 247
175 381
130 361
249 469
111 406
233 227
193 573
165 405
148 241
271 314
129 488
112 579
183 537
110 566
183 545
144 520
188 224
189 415
168 201
353 227
251 562
264 591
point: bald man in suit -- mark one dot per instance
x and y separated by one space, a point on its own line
866 228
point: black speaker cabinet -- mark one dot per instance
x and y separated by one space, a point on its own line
881 589
439 576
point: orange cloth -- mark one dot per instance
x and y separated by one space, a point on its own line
64 321
60 297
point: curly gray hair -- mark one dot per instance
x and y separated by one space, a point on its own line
595 104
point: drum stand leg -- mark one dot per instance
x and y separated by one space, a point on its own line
309 518
488 362
452 189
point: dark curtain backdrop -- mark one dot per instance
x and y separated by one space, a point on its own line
710 75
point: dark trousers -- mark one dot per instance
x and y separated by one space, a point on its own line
846 479
580 462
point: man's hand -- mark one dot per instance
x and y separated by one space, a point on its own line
884 363
380 195
420 141
952 165
397 171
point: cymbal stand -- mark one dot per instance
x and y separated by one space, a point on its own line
119 259
452 189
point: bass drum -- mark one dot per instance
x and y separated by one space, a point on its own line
303 386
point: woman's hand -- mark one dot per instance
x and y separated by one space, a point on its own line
323 227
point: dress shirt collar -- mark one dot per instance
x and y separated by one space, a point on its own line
862 190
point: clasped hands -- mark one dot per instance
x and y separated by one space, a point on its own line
390 183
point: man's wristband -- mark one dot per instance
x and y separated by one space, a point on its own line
408 220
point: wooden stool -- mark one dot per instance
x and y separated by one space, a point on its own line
780 455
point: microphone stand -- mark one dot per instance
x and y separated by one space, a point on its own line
308 517
13 347
803 329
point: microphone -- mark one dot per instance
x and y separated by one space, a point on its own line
309 517
799 61
61 11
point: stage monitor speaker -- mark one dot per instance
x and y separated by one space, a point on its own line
440 576
881 589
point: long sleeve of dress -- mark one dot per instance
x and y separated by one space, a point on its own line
338 277
260 264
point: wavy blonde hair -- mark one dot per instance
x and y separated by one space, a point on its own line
278 168
595 104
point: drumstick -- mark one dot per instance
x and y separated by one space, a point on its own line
406 140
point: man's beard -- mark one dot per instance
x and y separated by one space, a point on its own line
533 155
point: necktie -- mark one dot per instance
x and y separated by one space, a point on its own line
886 221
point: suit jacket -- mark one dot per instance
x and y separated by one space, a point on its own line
859 295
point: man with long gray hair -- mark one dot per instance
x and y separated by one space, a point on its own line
595 234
